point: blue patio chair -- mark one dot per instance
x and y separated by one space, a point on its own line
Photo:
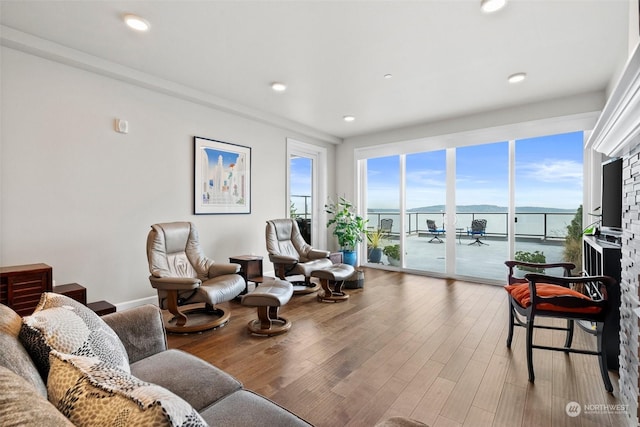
477 230
434 231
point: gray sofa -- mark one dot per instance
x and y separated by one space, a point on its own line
219 398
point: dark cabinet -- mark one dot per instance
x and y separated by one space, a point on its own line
603 258
73 291
22 285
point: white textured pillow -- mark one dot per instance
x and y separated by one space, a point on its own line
61 323
92 393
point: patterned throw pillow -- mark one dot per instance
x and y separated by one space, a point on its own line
61 323
92 393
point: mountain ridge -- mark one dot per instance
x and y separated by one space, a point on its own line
480 209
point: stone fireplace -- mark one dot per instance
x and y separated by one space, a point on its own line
617 134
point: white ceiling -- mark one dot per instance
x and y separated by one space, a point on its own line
447 58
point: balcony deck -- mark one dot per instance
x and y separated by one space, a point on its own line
484 262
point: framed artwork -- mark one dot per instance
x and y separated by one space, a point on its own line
222 177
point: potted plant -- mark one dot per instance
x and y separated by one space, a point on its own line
535 257
393 254
348 227
375 238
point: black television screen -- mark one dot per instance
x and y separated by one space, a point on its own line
612 194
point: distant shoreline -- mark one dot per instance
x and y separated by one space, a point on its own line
478 209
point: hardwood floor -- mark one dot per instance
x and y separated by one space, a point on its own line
426 348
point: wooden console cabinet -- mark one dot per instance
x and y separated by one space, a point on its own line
603 258
22 285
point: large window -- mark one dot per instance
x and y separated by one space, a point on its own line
502 200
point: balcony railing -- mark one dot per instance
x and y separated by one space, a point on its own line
540 225
302 206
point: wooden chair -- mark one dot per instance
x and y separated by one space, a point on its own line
582 298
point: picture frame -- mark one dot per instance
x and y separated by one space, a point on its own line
222 177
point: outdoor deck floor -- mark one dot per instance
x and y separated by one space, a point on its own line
483 262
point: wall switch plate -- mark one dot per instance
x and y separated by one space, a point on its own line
122 126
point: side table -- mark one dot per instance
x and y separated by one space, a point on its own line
73 291
250 268
79 293
102 307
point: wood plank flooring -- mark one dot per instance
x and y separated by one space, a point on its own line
427 348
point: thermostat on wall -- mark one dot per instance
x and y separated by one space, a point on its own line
122 126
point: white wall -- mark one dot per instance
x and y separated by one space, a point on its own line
80 197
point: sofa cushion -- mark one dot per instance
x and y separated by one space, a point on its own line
61 323
190 377
13 355
90 392
141 331
245 408
22 405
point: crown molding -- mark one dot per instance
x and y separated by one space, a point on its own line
618 127
37 46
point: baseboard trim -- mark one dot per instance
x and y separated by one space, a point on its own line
136 303
154 299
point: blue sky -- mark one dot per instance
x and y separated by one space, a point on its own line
228 157
548 174
300 182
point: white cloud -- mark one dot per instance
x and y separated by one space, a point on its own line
551 170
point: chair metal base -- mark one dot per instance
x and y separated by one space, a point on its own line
436 238
198 319
478 242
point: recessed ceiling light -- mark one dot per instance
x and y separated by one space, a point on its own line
278 87
349 118
388 76
137 23
490 6
517 77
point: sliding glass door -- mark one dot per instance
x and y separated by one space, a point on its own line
383 206
426 190
548 194
482 201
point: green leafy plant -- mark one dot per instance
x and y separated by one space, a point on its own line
573 242
348 226
293 211
392 251
536 257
